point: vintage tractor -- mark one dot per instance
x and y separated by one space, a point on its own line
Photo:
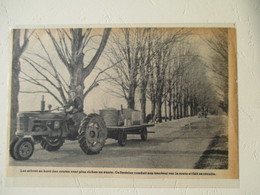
50 129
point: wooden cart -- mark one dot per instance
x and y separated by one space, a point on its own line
119 133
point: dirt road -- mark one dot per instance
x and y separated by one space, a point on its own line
175 144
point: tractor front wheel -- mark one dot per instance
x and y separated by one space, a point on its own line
22 149
11 148
92 134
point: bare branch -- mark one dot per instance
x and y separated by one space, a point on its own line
61 85
95 81
58 49
94 85
87 70
34 92
32 63
34 81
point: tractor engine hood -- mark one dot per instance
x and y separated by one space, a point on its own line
45 115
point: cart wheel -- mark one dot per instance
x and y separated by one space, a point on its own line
122 137
23 149
144 134
11 148
92 134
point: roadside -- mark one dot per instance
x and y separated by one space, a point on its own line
216 155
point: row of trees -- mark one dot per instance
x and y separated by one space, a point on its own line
219 64
164 68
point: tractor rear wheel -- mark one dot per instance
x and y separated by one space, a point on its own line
23 149
92 134
52 143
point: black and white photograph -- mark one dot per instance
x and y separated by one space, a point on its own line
130 101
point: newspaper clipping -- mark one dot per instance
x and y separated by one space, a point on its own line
143 103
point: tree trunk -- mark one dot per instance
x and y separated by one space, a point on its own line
14 97
178 110
170 109
77 82
153 106
143 106
159 111
77 85
195 105
181 110
131 100
191 107
16 68
174 102
174 111
185 105
165 110
77 64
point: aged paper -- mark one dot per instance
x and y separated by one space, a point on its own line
124 103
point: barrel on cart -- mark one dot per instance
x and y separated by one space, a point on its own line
122 122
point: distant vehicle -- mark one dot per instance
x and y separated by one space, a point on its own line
203 113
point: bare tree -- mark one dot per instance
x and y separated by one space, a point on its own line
19 46
73 58
126 48
181 58
71 48
147 54
219 65
171 79
161 64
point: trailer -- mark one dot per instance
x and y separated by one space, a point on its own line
120 133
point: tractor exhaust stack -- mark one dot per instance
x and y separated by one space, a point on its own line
42 104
